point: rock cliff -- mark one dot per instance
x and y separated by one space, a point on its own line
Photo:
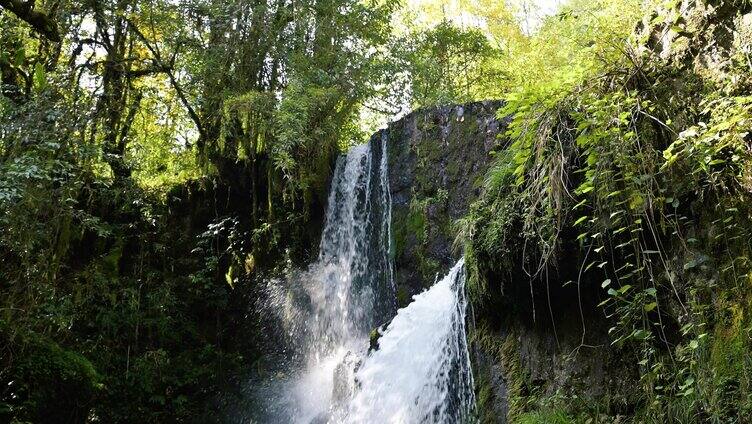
438 159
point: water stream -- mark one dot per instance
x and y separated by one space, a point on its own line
420 372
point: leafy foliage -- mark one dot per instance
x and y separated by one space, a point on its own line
641 162
155 160
448 65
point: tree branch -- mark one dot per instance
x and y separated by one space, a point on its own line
173 81
40 22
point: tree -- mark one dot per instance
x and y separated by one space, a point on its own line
448 64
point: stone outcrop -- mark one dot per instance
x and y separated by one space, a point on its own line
438 159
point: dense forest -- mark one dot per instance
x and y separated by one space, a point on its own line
162 160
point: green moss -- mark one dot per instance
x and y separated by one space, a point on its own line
426 125
478 181
416 220
47 378
454 169
484 389
406 224
504 351
484 399
729 390
373 339
403 297
417 225
730 344
399 232
466 134
513 374
428 268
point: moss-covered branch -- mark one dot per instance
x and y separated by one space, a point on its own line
40 22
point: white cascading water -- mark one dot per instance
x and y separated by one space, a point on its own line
350 287
420 373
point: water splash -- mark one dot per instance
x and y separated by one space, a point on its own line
421 371
328 310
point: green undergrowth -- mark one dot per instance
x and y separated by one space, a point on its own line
47 377
545 417
643 167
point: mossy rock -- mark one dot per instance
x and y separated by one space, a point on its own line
373 338
47 379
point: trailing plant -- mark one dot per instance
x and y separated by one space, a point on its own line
646 176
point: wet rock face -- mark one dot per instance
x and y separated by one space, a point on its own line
373 338
438 159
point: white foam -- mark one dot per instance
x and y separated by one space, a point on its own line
421 371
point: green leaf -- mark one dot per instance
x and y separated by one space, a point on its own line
640 334
585 188
687 383
650 306
20 57
40 76
581 220
582 203
619 230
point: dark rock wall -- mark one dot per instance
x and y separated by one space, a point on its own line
438 159
534 346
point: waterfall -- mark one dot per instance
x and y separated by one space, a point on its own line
352 290
421 371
